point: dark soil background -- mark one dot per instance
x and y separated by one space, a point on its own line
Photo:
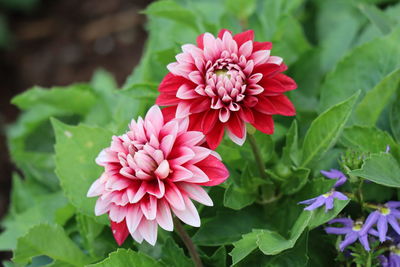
60 42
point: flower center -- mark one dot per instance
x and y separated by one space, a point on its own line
357 226
326 195
384 211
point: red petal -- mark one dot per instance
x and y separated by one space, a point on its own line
246 114
200 41
262 46
209 120
243 37
195 121
263 122
171 83
221 33
214 137
215 170
267 69
120 231
273 86
168 113
283 105
200 105
236 126
286 81
165 99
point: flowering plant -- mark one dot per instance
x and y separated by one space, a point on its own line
273 141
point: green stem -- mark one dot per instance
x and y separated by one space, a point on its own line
257 156
188 243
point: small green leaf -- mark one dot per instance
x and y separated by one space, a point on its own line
127 258
395 118
377 17
49 240
169 9
290 152
103 81
380 168
172 255
76 149
244 246
325 130
370 108
295 181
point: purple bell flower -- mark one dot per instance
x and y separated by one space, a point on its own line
335 174
387 214
352 232
326 199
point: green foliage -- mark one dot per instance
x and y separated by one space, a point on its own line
344 56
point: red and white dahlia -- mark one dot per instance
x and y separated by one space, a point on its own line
154 168
224 82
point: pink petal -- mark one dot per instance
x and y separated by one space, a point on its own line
186 92
183 109
96 189
180 174
214 169
149 207
163 169
189 215
197 193
133 217
174 196
164 217
148 230
246 49
102 207
199 176
166 144
117 213
156 118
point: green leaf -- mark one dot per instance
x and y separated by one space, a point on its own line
80 98
380 168
377 17
290 152
320 216
395 118
362 69
242 9
369 109
295 181
49 240
169 9
245 246
172 255
103 81
78 146
325 130
43 210
240 222
366 139
127 258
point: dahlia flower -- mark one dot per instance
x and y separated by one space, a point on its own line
154 168
386 214
225 82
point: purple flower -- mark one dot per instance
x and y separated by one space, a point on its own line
387 214
326 199
393 260
352 232
387 149
335 174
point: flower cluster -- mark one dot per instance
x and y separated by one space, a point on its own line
155 170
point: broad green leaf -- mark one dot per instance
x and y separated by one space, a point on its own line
370 108
395 118
127 258
325 130
240 222
103 81
52 241
366 139
245 246
172 255
377 17
90 229
380 168
291 149
242 9
80 98
43 210
171 10
362 69
336 31
78 146
320 216
216 259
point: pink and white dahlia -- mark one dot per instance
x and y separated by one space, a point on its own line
224 82
154 168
